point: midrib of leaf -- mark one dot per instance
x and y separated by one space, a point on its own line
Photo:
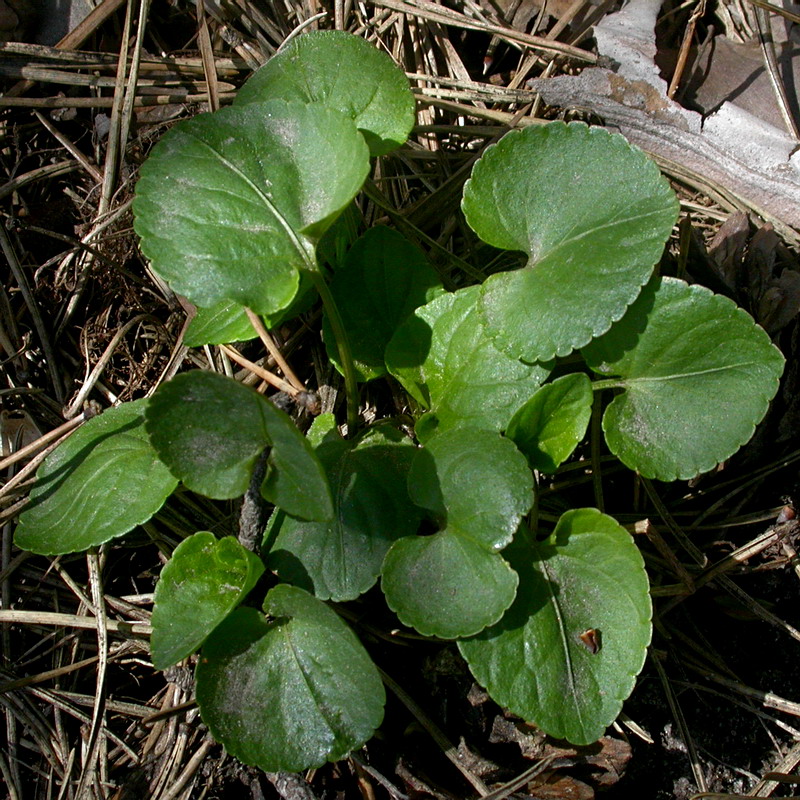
564 640
82 498
337 520
563 243
309 686
288 229
468 536
462 362
682 375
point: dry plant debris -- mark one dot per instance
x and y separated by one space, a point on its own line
84 324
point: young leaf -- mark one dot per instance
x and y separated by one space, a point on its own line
697 375
210 431
566 654
99 484
229 206
291 690
341 559
455 583
445 360
205 579
384 277
552 423
337 70
591 211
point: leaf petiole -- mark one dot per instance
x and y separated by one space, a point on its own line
343 346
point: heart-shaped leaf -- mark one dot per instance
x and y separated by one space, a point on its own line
384 277
99 484
205 579
476 481
341 559
337 70
566 654
455 583
445 360
210 431
592 213
697 375
289 691
230 205
552 423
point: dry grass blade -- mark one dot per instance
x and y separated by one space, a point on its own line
33 308
435 13
680 721
37 618
436 734
686 44
773 70
96 761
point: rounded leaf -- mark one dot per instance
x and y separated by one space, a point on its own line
210 431
697 376
475 482
205 579
100 483
338 70
291 690
446 585
341 559
384 277
552 423
566 654
445 359
230 205
454 583
592 213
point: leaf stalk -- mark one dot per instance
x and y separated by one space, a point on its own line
342 345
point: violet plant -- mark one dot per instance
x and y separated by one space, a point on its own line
233 209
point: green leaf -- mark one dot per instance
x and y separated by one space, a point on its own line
289 691
230 205
205 579
337 70
210 431
585 584
340 237
455 583
552 423
100 483
384 277
222 323
591 212
228 322
445 360
475 480
447 585
341 559
697 375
